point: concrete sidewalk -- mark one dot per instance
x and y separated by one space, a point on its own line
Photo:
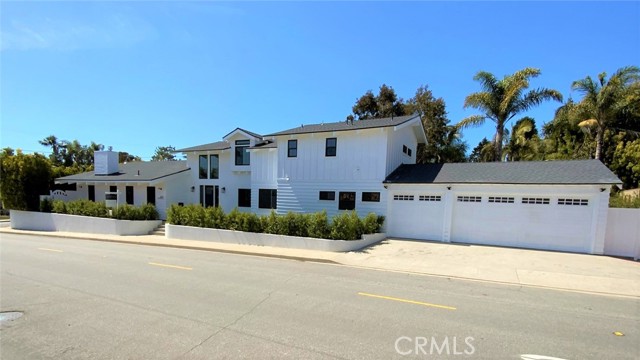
566 271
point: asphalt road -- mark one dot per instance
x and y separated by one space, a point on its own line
98 300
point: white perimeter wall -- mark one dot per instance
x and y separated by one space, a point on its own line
623 233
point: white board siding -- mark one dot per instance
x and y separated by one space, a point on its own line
397 138
359 157
303 197
575 228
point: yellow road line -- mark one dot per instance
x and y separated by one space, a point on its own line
407 301
47 249
171 266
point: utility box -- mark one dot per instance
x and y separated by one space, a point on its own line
111 199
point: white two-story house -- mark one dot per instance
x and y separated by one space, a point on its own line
327 166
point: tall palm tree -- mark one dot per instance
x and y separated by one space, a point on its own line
501 100
606 101
52 142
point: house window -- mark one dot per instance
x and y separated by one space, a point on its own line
429 198
214 166
129 195
327 195
371 196
529 200
403 197
580 202
92 193
347 200
406 150
330 147
242 152
203 167
244 197
409 152
268 199
292 148
113 188
501 199
151 195
470 199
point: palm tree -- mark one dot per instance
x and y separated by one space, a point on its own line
52 142
501 100
606 101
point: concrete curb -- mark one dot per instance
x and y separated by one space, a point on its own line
176 246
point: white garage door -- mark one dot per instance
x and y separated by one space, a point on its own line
539 222
415 215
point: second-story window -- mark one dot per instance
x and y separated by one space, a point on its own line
242 152
214 167
202 173
292 148
331 146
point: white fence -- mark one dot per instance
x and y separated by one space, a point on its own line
623 233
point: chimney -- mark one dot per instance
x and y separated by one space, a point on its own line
105 162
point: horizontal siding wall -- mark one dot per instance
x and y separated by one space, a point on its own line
303 197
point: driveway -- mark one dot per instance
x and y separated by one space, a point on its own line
579 272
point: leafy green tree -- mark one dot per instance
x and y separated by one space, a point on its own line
124 157
385 104
563 139
626 163
501 100
444 143
483 152
23 178
52 142
608 102
523 142
164 153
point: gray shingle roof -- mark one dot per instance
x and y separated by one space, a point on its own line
571 172
344 126
265 145
149 171
220 145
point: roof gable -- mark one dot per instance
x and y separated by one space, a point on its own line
244 132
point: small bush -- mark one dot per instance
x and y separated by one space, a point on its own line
46 205
59 207
319 225
215 218
346 226
620 201
87 208
128 212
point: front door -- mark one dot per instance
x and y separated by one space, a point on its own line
151 195
209 195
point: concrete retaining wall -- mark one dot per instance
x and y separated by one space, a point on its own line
292 242
623 233
28 220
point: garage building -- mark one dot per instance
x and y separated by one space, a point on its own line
554 205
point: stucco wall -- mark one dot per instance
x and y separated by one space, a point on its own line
292 242
27 220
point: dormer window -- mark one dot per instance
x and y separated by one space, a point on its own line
242 152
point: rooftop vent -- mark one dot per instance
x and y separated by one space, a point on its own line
105 162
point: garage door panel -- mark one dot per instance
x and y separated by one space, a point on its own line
416 219
542 226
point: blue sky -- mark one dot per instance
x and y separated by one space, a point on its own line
136 75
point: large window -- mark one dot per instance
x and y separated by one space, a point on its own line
292 148
242 152
327 195
331 147
209 195
129 195
244 197
214 166
203 167
268 199
347 201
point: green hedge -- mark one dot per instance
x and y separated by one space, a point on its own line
620 201
99 209
344 226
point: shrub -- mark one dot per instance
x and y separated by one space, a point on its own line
46 205
621 201
295 224
215 218
87 208
370 224
59 207
149 212
174 215
128 212
319 225
346 226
